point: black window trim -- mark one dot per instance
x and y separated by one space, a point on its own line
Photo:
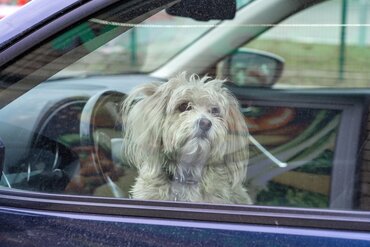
241 214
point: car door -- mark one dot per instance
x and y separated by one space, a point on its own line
54 128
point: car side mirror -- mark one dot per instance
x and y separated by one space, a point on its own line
252 68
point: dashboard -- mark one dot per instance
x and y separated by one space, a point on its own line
43 129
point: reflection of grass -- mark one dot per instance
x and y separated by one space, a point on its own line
318 64
321 165
280 195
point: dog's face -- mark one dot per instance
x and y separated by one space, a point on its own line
190 122
195 125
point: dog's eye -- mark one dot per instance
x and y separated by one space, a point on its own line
184 107
215 111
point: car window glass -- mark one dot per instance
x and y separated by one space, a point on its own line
300 147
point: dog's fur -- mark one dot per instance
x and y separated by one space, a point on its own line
188 140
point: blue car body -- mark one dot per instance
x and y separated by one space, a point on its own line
46 228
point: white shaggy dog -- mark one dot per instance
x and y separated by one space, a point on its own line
188 140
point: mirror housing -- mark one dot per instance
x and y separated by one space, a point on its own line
252 68
204 10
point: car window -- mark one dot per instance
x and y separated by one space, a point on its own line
102 124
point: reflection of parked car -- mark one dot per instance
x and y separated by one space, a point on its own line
61 87
7 9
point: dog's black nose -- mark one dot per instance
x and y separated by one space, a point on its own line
205 124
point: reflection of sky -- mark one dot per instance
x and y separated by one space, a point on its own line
175 34
170 41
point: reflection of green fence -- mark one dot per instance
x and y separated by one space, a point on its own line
133 47
342 49
363 5
362 17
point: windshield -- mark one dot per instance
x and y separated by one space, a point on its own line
141 49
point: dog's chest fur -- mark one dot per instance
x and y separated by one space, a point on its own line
211 188
185 191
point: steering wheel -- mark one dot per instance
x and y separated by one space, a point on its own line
100 124
101 110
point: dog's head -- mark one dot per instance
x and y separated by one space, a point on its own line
189 122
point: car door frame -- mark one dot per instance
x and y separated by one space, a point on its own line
272 219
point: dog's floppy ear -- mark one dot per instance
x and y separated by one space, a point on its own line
136 95
237 151
143 113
